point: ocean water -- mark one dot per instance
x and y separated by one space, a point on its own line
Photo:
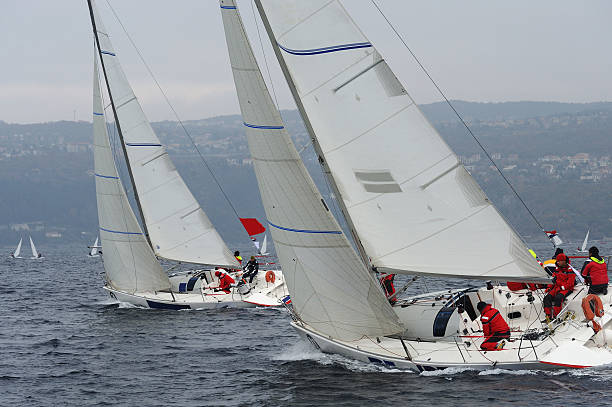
63 342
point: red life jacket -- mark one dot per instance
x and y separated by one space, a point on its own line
564 282
225 282
492 321
597 270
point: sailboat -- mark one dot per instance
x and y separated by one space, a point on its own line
263 250
35 253
94 252
174 226
17 253
418 213
583 248
253 227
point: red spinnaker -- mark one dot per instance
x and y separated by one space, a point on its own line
252 226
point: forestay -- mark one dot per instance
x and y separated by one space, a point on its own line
178 227
331 290
414 206
129 263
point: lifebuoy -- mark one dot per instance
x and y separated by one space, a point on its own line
593 307
271 277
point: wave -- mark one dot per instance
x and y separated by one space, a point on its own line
302 350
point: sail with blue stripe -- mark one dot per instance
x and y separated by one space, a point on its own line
330 288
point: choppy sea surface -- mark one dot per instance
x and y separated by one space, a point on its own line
64 342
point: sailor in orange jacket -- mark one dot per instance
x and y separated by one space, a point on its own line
494 327
563 284
225 281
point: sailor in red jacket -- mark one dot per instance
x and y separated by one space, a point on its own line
387 284
595 273
225 281
494 327
563 284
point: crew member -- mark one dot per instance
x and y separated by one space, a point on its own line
494 327
551 265
251 269
387 283
225 281
563 284
238 257
595 272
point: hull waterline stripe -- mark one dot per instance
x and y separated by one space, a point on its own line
565 365
254 126
325 50
229 7
143 145
333 232
164 305
98 114
105 176
119 232
108 53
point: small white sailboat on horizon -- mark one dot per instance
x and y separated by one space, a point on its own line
17 253
174 226
35 253
95 249
583 248
417 212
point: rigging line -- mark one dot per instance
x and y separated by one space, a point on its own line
459 116
264 56
174 111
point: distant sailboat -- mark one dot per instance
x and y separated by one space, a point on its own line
17 252
35 253
94 249
253 227
583 249
264 247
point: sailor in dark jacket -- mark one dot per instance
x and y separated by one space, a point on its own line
251 269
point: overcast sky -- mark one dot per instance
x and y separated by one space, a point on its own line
477 50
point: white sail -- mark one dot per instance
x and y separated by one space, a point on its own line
330 288
264 246
129 262
17 251
586 242
34 251
414 206
178 227
94 248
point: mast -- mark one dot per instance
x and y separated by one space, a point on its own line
279 56
110 95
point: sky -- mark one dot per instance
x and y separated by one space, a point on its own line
477 50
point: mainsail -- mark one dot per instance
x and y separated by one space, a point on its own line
414 206
331 290
178 227
129 263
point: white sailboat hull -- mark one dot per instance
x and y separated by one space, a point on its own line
262 294
573 344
